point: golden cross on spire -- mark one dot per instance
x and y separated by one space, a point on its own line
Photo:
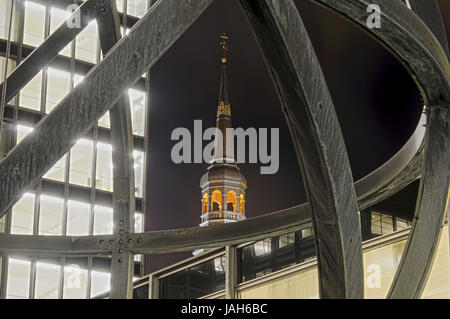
224 45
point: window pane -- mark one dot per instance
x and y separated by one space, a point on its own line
307 232
2 225
285 240
22 131
78 215
137 8
30 95
23 215
47 280
263 247
137 103
77 79
58 17
58 85
75 282
138 228
401 224
81 163
105 121
103 220
18 281
5 12
104 172
58 171
11 66
100 282
120 5
34 24
87 43
139 173
50 215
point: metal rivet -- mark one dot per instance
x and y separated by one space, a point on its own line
102 9
101 241
130 240
120 251
121 232
139 240
111 241
119 261
121 242
121 222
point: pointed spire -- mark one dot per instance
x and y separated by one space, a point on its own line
224 108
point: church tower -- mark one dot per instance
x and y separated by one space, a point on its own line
223 185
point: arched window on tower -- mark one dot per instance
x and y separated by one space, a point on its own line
231 201
242 202
205 203
216 201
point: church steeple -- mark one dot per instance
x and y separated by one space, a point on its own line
224 106
223 120
223 185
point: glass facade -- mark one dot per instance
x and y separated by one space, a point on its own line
74 198
273 254
196 281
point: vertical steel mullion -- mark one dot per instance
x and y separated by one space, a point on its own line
37 209
230 272
61 278
32 282
89 279
144 164
20 31
93 188
5 74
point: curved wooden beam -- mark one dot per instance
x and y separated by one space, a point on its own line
154 242
51 246
318 142
398 172
408 37
189 239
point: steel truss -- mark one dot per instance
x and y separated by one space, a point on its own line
414 35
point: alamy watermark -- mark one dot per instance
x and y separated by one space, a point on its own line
190 150
374 19
75 22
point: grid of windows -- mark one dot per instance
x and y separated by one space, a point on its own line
85 171
272 254
383 224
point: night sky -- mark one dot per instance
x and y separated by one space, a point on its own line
377 103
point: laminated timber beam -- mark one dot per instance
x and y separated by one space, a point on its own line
414 44
54 135
188 239
166 241
122 262
318 142
50 48
51 246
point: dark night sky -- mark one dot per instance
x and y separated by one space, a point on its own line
377 103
